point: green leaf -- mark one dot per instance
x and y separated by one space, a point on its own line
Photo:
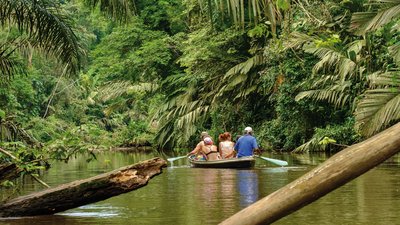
283 4
258 31
352 55
2 114
7 184
326 140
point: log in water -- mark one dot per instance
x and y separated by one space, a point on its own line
333 173
84 191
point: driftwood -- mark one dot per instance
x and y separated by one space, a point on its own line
333 173
85 191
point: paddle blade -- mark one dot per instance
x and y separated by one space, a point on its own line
176 158
275 161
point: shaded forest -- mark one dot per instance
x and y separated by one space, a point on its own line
80 76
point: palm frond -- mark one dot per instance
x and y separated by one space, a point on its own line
240 78
179 122
297 40
235 81
179 116
307 147
356 46
342 62
337 94
9 64
47 26
116 89
380 104
245 67
384 79
121 10
113 90
243 93
385 11
187 120
394 50
114 106
333 59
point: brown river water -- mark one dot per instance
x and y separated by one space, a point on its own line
184 195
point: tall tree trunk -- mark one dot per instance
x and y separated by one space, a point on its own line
85 191
333 173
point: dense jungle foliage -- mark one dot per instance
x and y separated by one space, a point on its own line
83 75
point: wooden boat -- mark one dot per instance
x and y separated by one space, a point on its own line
243 162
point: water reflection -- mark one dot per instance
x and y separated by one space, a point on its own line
184 195
227 187
207 183
56 219
247 183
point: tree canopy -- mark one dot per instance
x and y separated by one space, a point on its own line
77 76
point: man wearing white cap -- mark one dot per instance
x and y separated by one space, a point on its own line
246 144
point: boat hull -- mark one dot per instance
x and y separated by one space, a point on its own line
243 162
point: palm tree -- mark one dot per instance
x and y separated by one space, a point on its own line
338 70
49 29
186 106
378 106
194 99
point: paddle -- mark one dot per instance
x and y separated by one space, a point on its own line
176 158
274 161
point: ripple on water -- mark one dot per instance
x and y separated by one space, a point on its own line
98 211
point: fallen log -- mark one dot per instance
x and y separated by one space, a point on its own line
333 173
82 192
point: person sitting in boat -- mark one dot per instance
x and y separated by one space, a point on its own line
196 153
226 146
203 135
246 143
210 150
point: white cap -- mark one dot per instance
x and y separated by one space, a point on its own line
248 129
208 141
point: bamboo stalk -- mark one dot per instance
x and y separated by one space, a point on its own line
242 13
8 154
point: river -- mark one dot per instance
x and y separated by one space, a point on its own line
184 195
